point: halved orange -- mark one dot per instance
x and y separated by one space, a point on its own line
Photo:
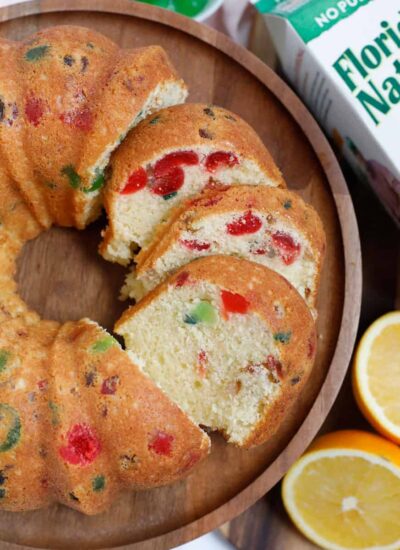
344 493
376 375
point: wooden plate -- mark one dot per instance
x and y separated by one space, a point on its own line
61 275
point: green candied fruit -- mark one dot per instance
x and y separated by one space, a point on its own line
98 483
72 175
287 204
2 493
159 3
155 120
189 7
4 357
97 183
10 427
103 344
55 413
170 196
203 312
283 337
37 53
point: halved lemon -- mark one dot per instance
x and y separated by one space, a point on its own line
376 375
344 493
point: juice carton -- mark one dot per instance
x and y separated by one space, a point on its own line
343 58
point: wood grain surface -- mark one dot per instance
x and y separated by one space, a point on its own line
265 525
61 275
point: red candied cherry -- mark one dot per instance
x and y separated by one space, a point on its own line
174 160
274 366
195 245
169 183
109 385
83 445
221 159
168 174
43 384
35 107
289 251
234 303
258 251
136 181
246 224
79 118
182 279
202 362
161 443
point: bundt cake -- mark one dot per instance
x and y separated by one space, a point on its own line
273 227
70 101
171 156
230 341
79 421
80 418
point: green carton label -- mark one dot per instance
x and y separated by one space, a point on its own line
311 18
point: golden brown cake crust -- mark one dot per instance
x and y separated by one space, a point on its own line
60 87
11 304
276 204
14 162
26 418
18 225
73 383
83 422
126 412
269 294
135 74
58 114
183 127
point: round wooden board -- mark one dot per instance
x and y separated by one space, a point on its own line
61 275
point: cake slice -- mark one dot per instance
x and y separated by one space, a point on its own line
68 96
141 82
113 428
273 227
230 341
171 156
80 422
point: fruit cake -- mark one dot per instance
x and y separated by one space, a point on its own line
273 227
171 156
68 96
230 341
25 414
80 422
224 342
